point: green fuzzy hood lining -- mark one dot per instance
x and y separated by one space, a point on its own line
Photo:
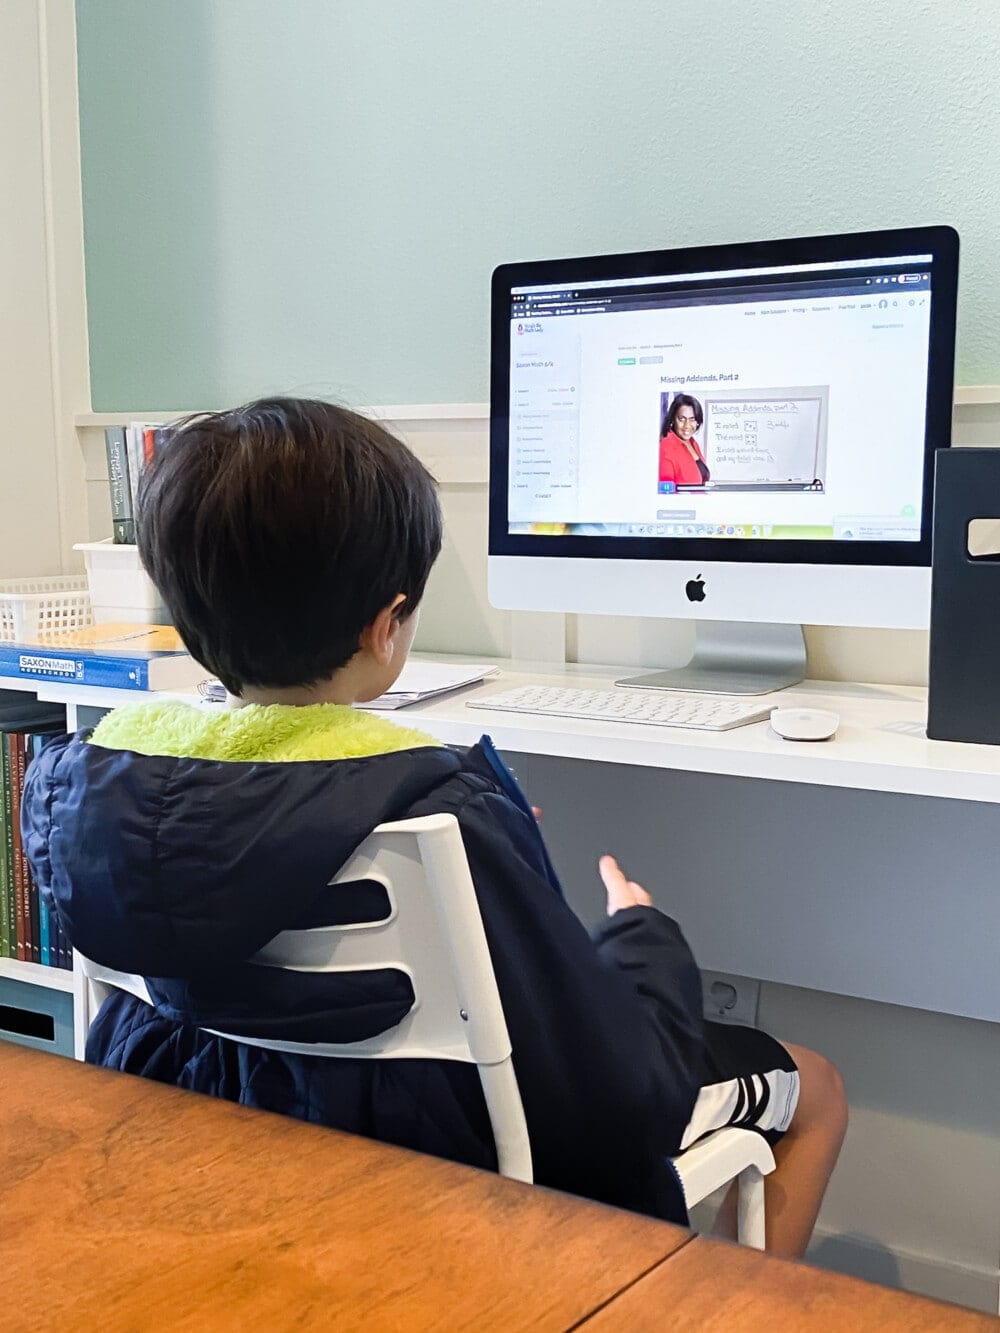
276 733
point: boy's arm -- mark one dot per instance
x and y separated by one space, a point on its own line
649 946
606 1040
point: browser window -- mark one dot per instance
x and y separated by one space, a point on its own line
757 403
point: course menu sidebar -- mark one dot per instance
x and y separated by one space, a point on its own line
544 421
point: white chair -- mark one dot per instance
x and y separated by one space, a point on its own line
434 933
718 1159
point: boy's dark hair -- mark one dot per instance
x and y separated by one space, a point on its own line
278 531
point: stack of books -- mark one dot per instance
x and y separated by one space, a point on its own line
29 930
113 656
130 449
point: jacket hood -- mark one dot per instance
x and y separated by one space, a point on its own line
169 867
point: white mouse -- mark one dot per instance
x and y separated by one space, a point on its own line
804 724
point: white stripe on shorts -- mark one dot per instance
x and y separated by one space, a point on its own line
733 1103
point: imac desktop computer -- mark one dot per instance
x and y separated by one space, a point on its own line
739 434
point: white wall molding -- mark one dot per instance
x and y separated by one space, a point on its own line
404 412
451 439
65 273
941 1279
43 341
969 394
965 395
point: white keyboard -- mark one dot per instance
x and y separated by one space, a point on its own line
652 708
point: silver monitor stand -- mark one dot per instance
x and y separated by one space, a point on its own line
731 658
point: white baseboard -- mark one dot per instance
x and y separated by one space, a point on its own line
863 1257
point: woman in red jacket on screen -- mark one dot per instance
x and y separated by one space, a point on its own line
681 460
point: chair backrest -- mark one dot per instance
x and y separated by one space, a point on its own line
434 933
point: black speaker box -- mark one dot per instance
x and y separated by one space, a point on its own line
964 678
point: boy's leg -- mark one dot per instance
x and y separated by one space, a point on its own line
805 1158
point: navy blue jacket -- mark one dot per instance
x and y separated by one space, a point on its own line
181 869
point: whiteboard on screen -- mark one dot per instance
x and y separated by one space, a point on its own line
766 435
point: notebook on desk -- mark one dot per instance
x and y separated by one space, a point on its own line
425 680
417 681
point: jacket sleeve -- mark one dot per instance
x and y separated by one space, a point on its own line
647 946
606 1039
36 816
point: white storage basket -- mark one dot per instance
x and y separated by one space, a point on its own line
35 610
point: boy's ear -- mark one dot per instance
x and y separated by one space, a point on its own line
378 638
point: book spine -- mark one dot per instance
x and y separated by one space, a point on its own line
122 511
65 950
39 917
9 849
45 663
148 445
55 955
44 930
33 915
59 947
15 741
5 856
133 448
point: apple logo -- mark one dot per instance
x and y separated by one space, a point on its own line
695 589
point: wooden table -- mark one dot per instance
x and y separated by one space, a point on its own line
126 1205
710 1286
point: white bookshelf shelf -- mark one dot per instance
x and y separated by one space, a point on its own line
52 978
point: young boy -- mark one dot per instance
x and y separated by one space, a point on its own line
292 541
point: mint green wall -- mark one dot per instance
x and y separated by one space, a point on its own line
309 196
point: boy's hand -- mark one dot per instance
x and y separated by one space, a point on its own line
622 892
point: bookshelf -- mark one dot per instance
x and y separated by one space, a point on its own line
40 1005
40 930
84 706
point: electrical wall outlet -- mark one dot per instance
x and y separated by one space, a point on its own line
730 999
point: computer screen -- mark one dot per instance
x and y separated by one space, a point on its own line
775 402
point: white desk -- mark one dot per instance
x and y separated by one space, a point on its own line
864 865
880 746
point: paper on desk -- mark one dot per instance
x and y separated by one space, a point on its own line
423 680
